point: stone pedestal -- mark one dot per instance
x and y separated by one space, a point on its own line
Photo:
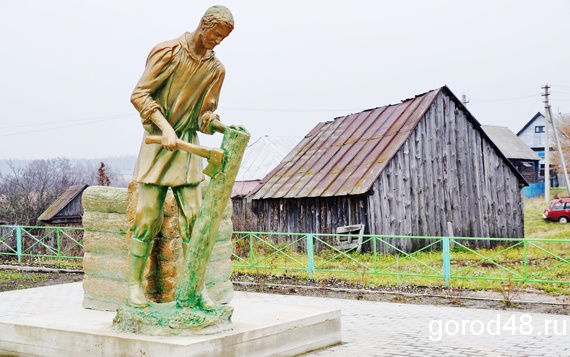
50 321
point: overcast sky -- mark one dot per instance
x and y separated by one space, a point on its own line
68 67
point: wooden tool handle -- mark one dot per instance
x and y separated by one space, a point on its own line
182 145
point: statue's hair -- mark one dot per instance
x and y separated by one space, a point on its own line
217 14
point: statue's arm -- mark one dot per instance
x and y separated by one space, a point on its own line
156 72
209 120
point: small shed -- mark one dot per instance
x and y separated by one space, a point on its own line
404 169
521 155
67 210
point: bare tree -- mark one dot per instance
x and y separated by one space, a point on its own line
27 191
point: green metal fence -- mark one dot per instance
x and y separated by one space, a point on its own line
524 260
41 242
521 260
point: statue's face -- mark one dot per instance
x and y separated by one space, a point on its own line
213 36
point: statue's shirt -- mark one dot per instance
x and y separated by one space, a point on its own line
182 88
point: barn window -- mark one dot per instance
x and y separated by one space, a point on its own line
539 129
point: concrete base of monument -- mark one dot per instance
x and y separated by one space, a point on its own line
50 321
167 319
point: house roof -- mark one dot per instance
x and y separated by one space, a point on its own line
536 116
263 155
510 145
61 202
345 156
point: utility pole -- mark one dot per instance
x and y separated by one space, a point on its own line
546 144
560 154
464 100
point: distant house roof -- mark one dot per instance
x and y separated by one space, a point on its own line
263 155
510 145
63 200
259 158
346 156
536 116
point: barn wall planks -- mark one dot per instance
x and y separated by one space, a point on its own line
310 215
455 176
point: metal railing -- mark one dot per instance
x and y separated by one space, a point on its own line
41 242
521 260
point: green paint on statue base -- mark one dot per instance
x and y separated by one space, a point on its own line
168 319
172 318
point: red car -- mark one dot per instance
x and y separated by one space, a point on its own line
558 210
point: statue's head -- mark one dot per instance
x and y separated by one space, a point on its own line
216 24
217 15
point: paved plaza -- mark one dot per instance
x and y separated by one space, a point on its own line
390 329
383 328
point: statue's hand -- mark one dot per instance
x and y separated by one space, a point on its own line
217 125
168 140
239 128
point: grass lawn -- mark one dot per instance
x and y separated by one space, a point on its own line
535 226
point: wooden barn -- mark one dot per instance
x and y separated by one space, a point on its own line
403 169
67 210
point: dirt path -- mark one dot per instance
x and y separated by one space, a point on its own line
13 277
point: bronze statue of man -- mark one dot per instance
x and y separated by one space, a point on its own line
176 97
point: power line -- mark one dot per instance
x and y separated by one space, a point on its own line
55 128
96 119
88 121
237 109
506 99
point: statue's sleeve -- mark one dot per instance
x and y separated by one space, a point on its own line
156 71
211 101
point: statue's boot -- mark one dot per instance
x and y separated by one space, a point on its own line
137 261
206 303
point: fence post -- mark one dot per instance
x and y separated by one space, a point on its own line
374 242
57 230
525 260
19 243
310 256
446 260
250 250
